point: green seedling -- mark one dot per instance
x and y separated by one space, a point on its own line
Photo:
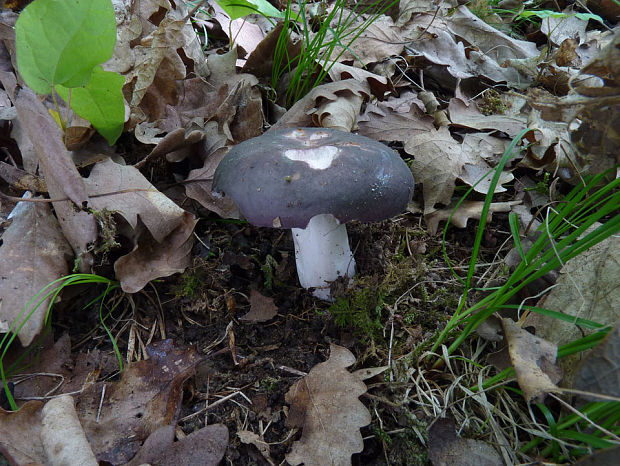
61 45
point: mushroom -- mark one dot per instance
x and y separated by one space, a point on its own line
313 181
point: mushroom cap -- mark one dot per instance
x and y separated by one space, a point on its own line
284 178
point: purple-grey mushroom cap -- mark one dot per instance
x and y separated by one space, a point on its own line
358 178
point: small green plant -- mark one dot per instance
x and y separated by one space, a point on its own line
340 27
573 435
571 227
361 310
48 294
189 283
566 227
269 384
61 45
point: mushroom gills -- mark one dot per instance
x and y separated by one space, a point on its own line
322 254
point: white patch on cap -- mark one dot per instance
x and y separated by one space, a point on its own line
318 158
307 138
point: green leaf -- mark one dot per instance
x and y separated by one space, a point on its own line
240 8
60 41
100 102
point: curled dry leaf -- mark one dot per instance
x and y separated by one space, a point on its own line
151 259
34 253
124 189
300 114
242 32
147 397
467 47
340 114
534 361
199 183
467 210
227 106
60 174
380 86
163 248
325 405
150 35
379 40
467 115
439 160
587 288
396 119
21 180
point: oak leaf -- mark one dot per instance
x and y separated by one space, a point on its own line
326 406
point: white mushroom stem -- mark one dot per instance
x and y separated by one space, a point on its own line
322 254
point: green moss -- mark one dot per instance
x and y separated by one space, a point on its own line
491 103
188 285
269 384
360 310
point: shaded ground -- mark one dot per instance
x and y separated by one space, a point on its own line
259 361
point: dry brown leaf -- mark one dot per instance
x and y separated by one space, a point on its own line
20 434
54 358
161 251
205 447
587 288
340 114
46 136
125 190
440 40
262 308
260 61
567 26
300 114
198 186
231 99
439 160
21 179
467 210
153 259
395 119
62 436
380 40
468 116
533 359
60 174
380 86
408 8
147 397
34 253
599 371
242 31
445 448
326 406
151 33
